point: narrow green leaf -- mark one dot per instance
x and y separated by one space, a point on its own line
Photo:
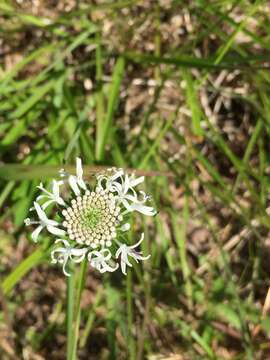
37 94
112 104
193 103
22 269
156 143
21 64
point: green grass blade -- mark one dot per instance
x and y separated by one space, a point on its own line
99 98
193 103
21 64
91 318
22 269
112 105
180 236
196 63
152 150
37 94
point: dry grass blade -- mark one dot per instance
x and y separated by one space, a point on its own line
30 172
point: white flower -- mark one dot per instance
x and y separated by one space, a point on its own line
124 251
100 259
44 222
91 219
67 253
54 196
77 182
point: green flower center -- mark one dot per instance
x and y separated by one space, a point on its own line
92 218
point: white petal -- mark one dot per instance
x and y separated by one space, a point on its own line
89 256
56 192
41 187
60 201
79 169
79 172
36 232
140 257
79 253
55 230
133 198
73 184
146 210
41 214
124 267
52 223
64 266
124 258
135 182
117 174
124 261
118 252
145 197
126 184
123 252
137 243
125 227
55 188
81 183
41 197
126 205
109 268
116 187
57 250
63 241
46 204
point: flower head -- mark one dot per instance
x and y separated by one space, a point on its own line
91 220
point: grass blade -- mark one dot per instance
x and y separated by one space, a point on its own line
112 104
22 269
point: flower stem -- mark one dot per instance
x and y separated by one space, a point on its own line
70 310
91 317
77 312
131 344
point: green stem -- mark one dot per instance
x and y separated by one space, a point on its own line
70 309
91 317
77 312
131 344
